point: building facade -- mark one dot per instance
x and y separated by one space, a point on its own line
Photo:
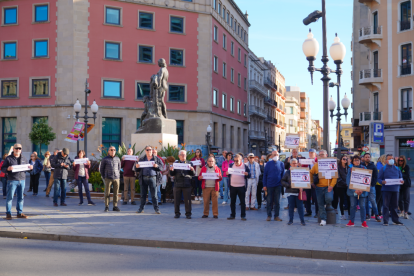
292 116
115 45
386 29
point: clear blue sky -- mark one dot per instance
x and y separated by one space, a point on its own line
277 34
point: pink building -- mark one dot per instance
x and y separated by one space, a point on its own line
48 50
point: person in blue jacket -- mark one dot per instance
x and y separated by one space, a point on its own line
390 192
35 172
356 195
272 183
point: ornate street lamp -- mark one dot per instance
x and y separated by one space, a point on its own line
94 108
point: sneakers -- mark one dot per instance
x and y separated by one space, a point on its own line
22 216
140 211
398 223
290 223
177 216
158 212
278 219
204 216
385 224
373 217
188 217
405 215
9 217
91 203
80 204
350 224
364 225
323 222
367 217
116 209
358 207
343 217
224 203
106 209
378 219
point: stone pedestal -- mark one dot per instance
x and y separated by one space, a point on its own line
142 139
158 125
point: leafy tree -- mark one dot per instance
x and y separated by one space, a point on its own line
42 133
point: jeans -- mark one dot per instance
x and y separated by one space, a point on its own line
47 176
299 203
158 194
390 201
324 198
4 181
340 197
234 193
404 199
151 183
354 200
197 186
12 186
311 195
273 196
372 198
225 189
82 180
59 188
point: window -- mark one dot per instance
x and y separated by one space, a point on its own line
244 110
177 25
238 79
215 97
215 4
231 136
180 131
376 106
245 84
176 93
238 107
346 132
223 101
291 122
41 13
219 8
405 16
8 134
143 89
239 55
145 54
224 13
111 132
9 88
406 59
232 48
224 41
232 75
112 50
138 123
291 110
215 64
238 29
375 22
228 18
245 60
235 25
146 20
10 16
41 48
112 16
40 87
112 89
231 22
224 69
406 104
177 57
231 104
35 147
215 33
9 50
223 136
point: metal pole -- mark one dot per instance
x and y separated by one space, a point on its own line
325 71
338 108
77 141
86 124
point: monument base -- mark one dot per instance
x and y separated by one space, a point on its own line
153 139
158 125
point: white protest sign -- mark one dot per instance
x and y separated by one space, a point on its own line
210 176
360 179
21 168
328 175
306 161
130 157
81 161
393 181
327 168
235 171
292 142
181 166
300 178
146 164
196 162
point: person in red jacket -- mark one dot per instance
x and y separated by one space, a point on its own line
3 178
210 187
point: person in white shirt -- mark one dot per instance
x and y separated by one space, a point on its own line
252 182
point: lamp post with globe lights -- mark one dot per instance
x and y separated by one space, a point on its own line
311 48
94 108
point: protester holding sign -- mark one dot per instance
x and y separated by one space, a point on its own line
272 178
62 164
82 176
127 164
372 193
199 163
225 180
341 187
210 186
389 175
15 180
238 184
356 195
293 194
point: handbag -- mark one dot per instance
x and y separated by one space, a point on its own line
302 195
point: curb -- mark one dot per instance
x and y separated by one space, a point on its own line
287 252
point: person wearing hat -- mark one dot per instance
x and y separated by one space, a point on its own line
252 182
62 164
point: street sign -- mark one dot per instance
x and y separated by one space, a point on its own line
365 148
377 132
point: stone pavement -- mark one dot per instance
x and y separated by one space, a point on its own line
252 236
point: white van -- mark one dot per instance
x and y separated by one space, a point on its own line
284 155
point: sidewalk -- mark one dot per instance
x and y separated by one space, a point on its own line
255 236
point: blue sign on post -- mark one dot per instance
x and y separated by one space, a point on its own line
377 132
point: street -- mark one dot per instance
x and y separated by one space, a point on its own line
32 257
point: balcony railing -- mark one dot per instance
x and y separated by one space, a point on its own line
405 25
255 134
270 120
370 31
370 76
365 118
370 34
406 69
270 101
406 115
270 83
257 110
258 86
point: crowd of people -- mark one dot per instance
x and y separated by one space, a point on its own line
263 180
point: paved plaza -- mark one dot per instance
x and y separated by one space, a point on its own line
91 221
